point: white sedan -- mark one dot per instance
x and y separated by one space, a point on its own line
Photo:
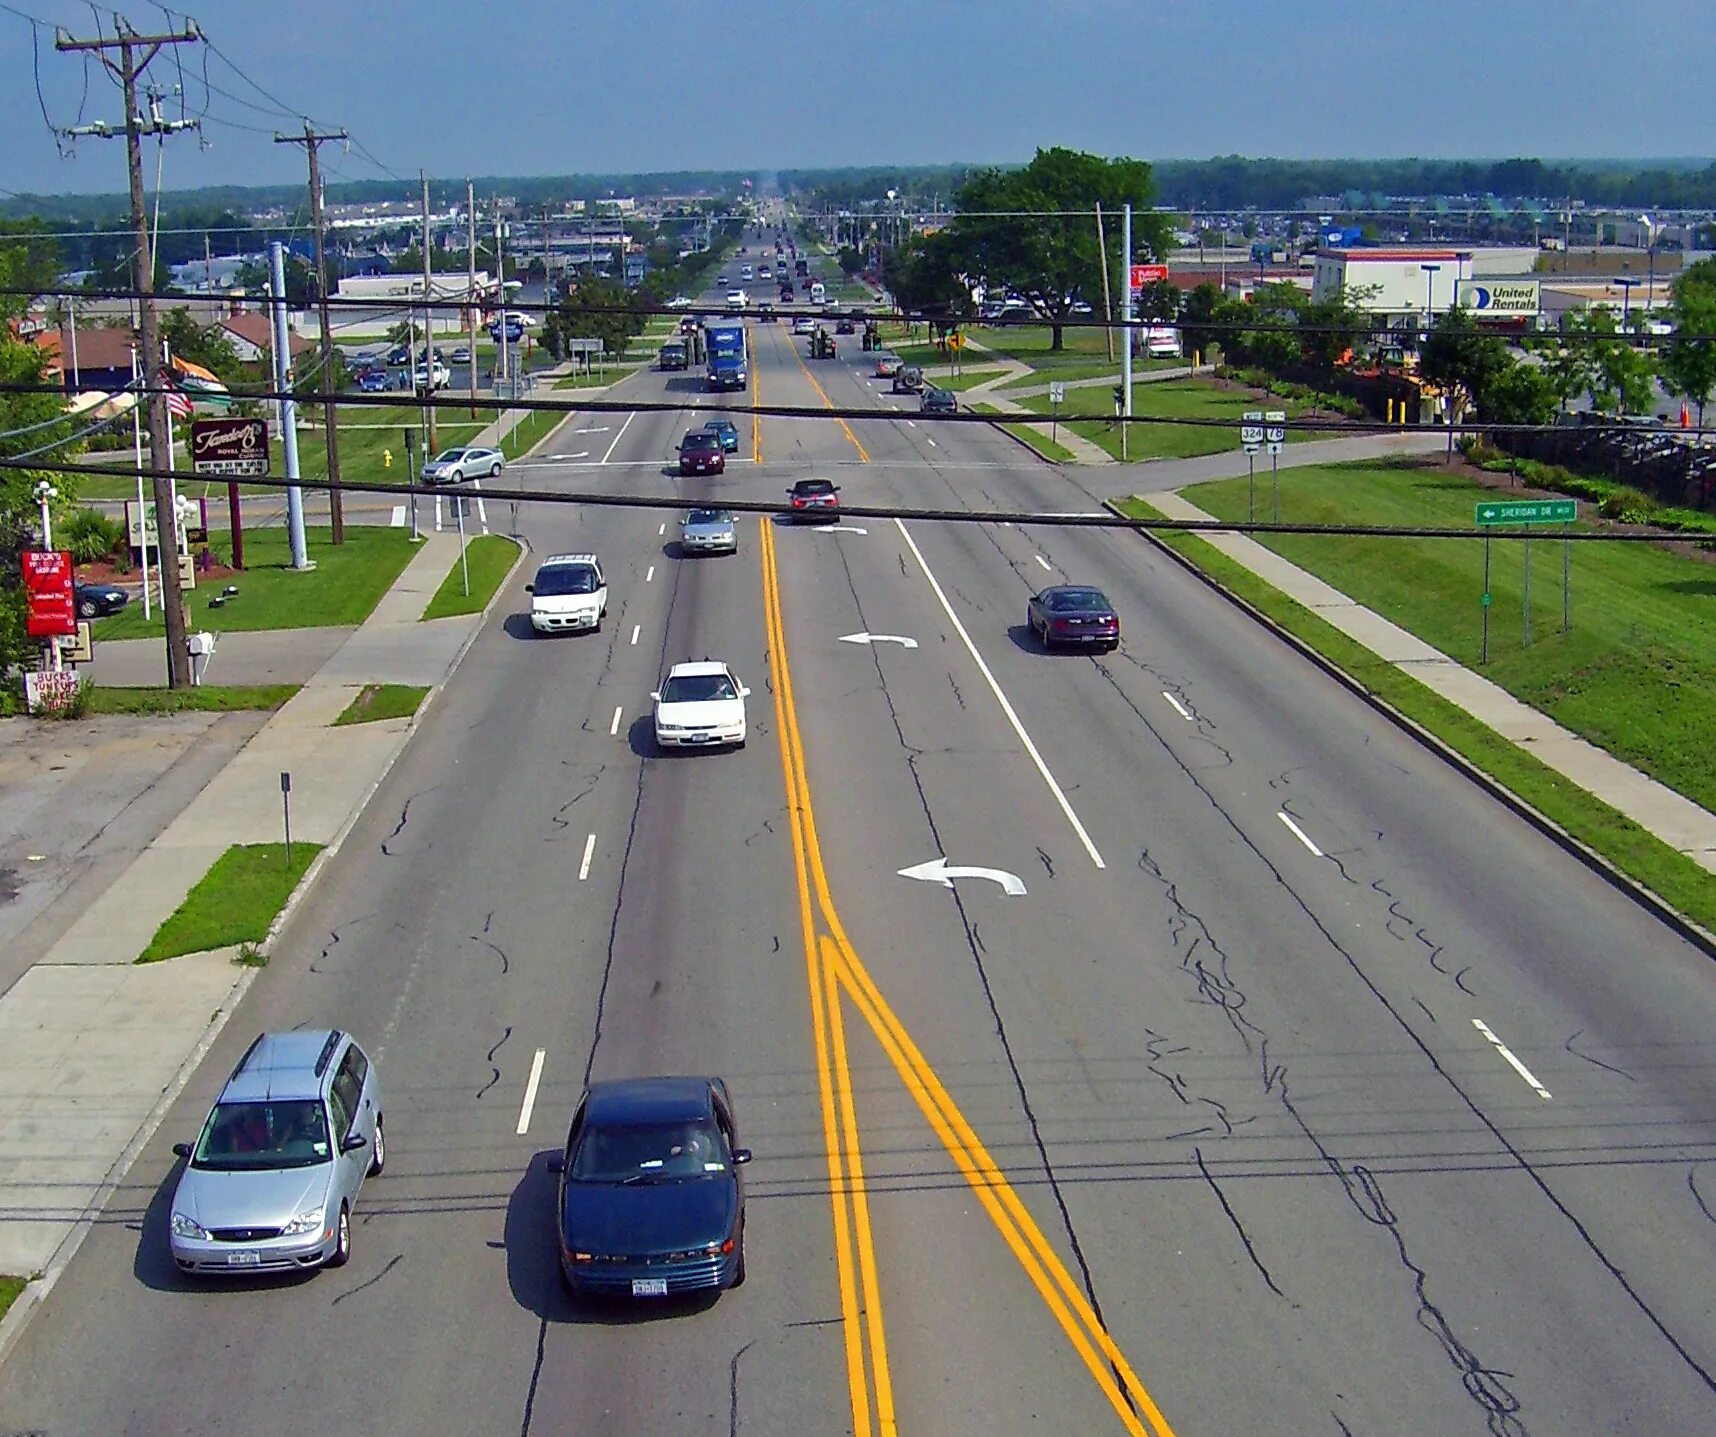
454 466
701 705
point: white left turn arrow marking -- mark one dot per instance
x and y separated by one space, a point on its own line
839 529
899 639
939 870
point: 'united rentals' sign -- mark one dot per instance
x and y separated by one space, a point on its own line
1514 299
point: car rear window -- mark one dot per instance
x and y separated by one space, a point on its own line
814 486
1077 601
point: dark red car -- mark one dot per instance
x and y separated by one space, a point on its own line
700 453
1074 615
815 501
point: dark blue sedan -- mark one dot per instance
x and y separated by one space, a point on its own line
729 434
651 1200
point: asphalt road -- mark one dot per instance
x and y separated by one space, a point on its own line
1199 1134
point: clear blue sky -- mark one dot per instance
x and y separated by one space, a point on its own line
643 85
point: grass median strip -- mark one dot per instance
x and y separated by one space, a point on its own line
1054 452
490 558
382 701
10 1287
1633 850
205 698
347 582
234 902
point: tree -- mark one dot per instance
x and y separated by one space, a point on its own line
1462 359
851 260
923 278
1271 306
253 277
1618 373
1331 326
1196 317
1566 361
593 309
1158 300
1518 394
209 347
1033 230
1689 357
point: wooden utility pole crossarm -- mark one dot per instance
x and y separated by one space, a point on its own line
312 140
126 55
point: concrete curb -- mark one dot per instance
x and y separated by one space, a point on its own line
37 1290
1694 933
1002 420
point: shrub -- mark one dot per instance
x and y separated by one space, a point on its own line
1628 506
90 535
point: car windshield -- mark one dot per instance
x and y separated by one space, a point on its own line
449 456
708 516
558 579
255 1135
1078 601
698 689
649 1152
700 440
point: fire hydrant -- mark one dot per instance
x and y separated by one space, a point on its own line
387 459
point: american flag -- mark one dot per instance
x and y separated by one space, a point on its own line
178 402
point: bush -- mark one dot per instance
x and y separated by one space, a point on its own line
1628 506
90 535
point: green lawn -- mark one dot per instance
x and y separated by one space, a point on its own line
383 701
234 902
1042 443
965 379
490 558
342 589
1636 852
205 698
1089 369
10 1287
1637 672
1169 399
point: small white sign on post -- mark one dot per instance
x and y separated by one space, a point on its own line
1251 430
1275 429
1057 392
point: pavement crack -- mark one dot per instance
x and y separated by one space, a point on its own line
1238 1226
496 949
493 1068
1047 862
1596 1062
334 940
558 817
1698 1197
1427 1013
953 684
404 818
392 1263
733 1389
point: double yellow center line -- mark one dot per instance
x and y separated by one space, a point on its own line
836 973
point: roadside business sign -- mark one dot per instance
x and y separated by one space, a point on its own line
1146 274
1251 430
50 606
1275 429
1512 299
231 448
193 522
1528 511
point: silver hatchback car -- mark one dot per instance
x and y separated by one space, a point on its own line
269 1185
709 531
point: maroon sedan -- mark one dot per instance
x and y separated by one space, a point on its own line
1073 615
700 453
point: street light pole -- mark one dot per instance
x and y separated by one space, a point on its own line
1626 284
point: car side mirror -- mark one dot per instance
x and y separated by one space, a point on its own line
741 1156
181 1150
655 696
530 588
744 692
353 1142
557 1163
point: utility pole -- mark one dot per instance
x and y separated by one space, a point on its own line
428 330
471 283
312 140
135 51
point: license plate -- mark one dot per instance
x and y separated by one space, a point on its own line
698 738
649 1287
244 1259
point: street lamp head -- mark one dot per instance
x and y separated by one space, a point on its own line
45 492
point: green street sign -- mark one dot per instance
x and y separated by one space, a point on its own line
1529 511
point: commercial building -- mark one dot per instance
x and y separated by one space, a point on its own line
1401 284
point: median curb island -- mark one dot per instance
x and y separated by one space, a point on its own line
1694 933
40 1285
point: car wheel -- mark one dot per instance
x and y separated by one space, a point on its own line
86 609
378 1156
342 1253
739 1273
494 472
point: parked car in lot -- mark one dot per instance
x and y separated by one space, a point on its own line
399 355
938 401
815 501
462 355
1073 615
700 705
270 1183
454 466
709 531
727 432
94 601
373 381
700 452
436 376
569 593
651 1198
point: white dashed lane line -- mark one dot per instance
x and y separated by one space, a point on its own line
529 1104
614 727
649 577
589 853
636 630
661 528
1300 834
1179 707
1044 562
1512 1061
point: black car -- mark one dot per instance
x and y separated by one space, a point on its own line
815 501
938 401
96 600
652 1200
844 326
1075 615
700 452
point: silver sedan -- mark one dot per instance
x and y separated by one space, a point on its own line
454 466
709 531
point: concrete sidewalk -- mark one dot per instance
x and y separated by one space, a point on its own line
1676 820
94 1047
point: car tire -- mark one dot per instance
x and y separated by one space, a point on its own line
86 609
342 1253
494 471
739 1273
378 1149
